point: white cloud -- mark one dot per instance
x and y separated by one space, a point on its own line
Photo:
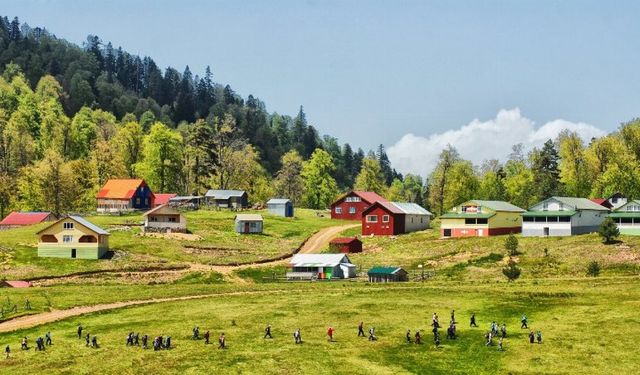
478 141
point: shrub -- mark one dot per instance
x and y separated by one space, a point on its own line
593 269
511 271
511 244
608 230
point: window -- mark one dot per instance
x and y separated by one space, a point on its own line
137 200
372 218
469 221
482 221
352 210
352 199
565 219
67 239
626 220
67 225
172 219
338 210
545 206
527 218
411 220
385 218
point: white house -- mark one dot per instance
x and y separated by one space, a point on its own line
563 216
320 266
627 217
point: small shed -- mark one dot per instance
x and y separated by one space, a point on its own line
249 223
14 284
387 275
280 207
346 245
164 219
320 266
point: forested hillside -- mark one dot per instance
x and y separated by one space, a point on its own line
90 113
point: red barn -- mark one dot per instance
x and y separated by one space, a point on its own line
391 218
346 245
351 205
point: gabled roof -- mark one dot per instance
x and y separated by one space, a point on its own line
163 198
384 270
82 221
318 260
389 206
400 208
367 196
120 188
224 194
624 206
16 283
344 240
162 209
25 218
498 205
577 203
278 201
248 217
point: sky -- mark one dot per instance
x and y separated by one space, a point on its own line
412 75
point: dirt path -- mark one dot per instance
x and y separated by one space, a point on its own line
322 238
55 315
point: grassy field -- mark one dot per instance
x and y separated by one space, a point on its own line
219 244
570 315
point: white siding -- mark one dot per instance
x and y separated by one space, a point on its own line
413 223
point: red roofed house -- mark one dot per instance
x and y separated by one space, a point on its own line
385 218
163 198
125 195
351 205
20 219
346 245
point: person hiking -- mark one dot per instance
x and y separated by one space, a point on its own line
472 320
434 321
167 343
524 322
130 339
87 339
79 331
539 336
418 338
330 333
206 338
196 333
136 342
156 343
221 341
532 337
451 332
500 348
267 332
489 337
372 336
503 330
297 337
47 337
7 351
24 345
361 329
409 336
145 340
94 342
436 339
453 316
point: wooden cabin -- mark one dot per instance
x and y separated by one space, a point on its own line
165 219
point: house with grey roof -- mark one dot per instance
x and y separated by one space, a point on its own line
385 218
248 223
235 199
563 216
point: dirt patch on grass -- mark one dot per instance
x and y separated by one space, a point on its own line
624 255
174 236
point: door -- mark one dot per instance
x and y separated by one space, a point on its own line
447 232
246 227
73 253
480 232
545 231
290 211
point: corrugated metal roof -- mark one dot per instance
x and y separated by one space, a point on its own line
411 208
162 209
163 198
498 205
383 270
278 201
370 196
248 217
16 283
89 225
579 203
224 194
24 218
119 188
318 260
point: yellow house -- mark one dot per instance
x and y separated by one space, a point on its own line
479 218
73 237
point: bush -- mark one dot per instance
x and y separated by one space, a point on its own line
608 230
511 271
593 269
511 244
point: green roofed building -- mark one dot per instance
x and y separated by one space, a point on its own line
387 274
563 216
628 217
480 218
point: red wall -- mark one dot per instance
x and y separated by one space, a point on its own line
457 232
394 226
345 215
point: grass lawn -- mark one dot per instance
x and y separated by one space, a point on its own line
219 244
570 314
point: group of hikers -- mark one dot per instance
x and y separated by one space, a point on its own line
160 342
